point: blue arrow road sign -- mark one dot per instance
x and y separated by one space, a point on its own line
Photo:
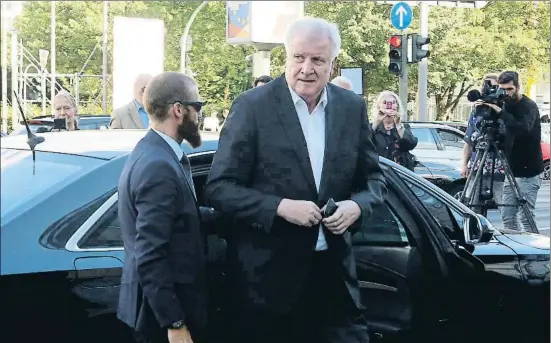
401 15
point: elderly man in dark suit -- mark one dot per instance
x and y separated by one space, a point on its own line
162 295
285 150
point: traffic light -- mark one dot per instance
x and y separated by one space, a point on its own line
397 54
417 51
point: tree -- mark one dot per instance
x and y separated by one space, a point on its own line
468 43
465 43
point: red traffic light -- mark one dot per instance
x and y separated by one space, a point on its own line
395 41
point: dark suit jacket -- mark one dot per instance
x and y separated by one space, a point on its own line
163 277
262 158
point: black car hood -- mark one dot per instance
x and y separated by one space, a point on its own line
520 241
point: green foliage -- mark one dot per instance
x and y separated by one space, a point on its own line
465 43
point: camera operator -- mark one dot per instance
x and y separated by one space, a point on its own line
467 166
522 149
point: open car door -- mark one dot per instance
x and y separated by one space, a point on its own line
414 281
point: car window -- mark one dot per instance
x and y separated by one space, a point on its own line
105 233
382 228
424 136
450 139
449 219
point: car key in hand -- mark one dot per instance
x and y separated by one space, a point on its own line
330 208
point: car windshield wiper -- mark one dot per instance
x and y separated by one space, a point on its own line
32 139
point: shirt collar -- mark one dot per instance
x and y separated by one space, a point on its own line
322 102
177 148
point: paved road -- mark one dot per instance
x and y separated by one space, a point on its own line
542 211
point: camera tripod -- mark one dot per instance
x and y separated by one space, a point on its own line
483 150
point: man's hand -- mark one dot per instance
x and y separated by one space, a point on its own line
464 171
494 107
345 215
299 212
181 335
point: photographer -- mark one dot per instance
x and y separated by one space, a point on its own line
522 149
469 156
392 138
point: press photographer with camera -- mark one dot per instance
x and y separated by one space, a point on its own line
492 177
521 146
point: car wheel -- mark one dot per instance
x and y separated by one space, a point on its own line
546 170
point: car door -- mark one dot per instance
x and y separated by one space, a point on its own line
502 269
451 140
99 240
408 269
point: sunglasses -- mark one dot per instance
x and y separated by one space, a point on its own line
197 105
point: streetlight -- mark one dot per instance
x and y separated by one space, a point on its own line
184 39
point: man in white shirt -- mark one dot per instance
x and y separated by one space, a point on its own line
286 149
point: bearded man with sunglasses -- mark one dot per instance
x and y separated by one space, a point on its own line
520 115
163 287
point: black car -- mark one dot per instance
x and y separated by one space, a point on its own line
429 268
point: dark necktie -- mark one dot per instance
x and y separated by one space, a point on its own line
187 173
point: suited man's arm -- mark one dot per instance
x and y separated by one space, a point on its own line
156 191
369 179
234 162
115 121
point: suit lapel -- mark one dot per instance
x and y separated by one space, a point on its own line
332 130
135 116
160 141
288 118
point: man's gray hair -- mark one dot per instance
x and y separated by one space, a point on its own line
166 89
342 82
317 26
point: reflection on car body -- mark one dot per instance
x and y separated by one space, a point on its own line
426 263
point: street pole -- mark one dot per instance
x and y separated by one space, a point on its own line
4 73
14 79
52 49
422 104
104 69
186 34
403 91
403 78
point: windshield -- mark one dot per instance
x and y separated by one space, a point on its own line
21 188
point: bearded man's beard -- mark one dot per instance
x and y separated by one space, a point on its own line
189 131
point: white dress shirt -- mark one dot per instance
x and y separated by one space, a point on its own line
313 127
177 148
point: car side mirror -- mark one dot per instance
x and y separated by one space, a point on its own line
42 129
477 228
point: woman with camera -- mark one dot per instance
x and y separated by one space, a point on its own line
65 107
391 137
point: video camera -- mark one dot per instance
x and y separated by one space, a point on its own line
490 94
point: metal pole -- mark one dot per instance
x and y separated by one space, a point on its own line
422 103
104 69
14 79
404 91
186 34
44 93
4 73
52 49
403 79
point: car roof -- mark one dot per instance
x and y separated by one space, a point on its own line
102 144
433 126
